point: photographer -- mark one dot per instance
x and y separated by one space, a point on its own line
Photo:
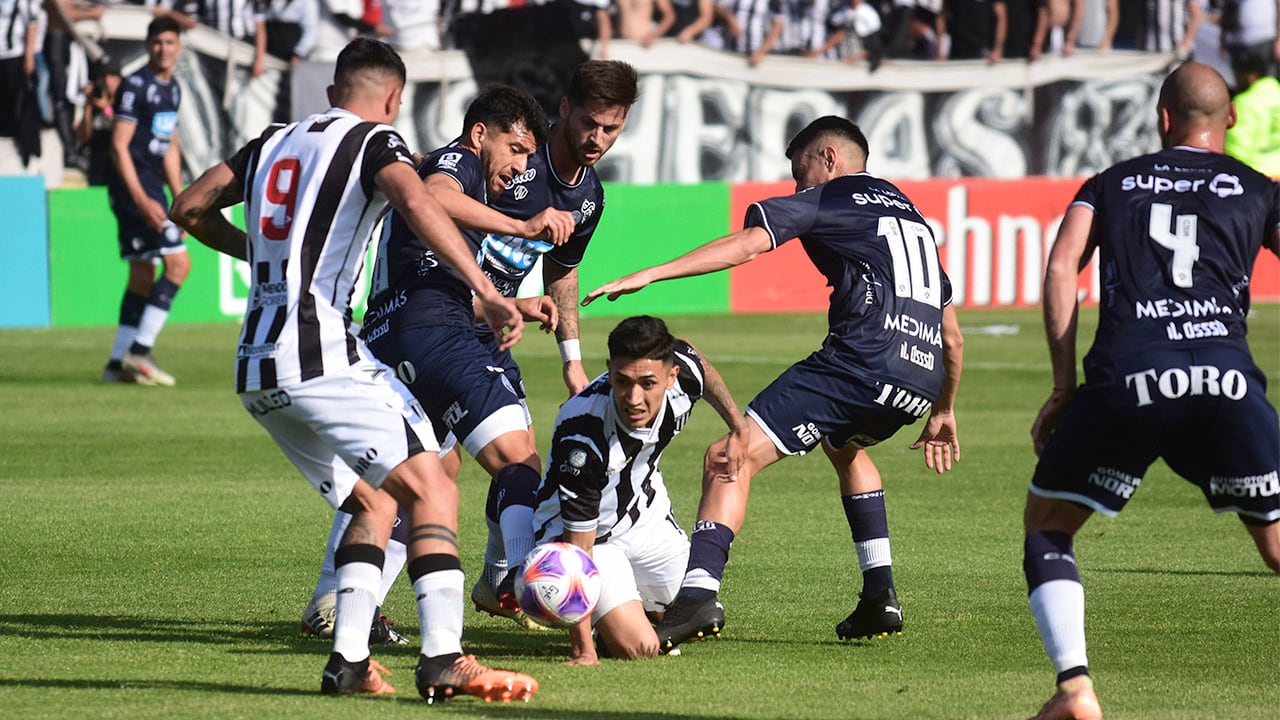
94 129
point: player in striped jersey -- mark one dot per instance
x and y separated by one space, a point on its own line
604 492
893 355
313 191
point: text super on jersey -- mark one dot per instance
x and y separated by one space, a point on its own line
881 262
1178 232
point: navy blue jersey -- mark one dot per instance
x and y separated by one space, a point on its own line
881 262
152 104
1178 232
408 277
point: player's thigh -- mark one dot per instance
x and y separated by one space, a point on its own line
617 581
1228 440
454 376
817 398
658 551
327 472
365 416
1099 451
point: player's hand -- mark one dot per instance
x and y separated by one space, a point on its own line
259 66
940 442
617 288
584 660
726 456
154 214
1054 408
541 310
503 318
554 226
575 377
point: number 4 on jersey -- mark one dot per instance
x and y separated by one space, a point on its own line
1176 234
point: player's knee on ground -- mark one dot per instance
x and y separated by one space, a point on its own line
626 634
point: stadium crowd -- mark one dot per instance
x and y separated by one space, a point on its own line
49 80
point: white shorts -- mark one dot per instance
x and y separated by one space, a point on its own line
647 563
339 428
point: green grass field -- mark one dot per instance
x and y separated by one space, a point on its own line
158 550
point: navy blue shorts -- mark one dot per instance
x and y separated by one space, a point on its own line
819 397
463 388
1204 411
138 241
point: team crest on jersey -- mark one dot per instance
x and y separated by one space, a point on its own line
524 177
1225 186
521 192
449 161
578 458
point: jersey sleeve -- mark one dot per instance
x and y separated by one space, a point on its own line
578 473
460 165
131 99
691 378
241 162
1087 195
785 217
570 254
385 146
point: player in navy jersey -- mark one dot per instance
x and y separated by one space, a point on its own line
893 355
420 319
146 158
313 192
1169 374
603 489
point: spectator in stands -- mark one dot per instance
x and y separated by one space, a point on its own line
20 120
416 24
975 29
853 28
1255 138
1249 33
1159 25
590 19
1021 20
290 28
693 18
1093 24
243 20
752 27
636 20
57 51
339 22
804 29
896 17
1053 27
185 12
94 130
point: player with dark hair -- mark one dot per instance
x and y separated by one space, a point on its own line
421 323
146 157
603 490
1169 375
313 191
892 356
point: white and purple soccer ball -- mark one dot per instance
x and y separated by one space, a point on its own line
558 585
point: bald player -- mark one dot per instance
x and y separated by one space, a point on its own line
1169 374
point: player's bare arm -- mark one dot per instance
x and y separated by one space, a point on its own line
1061 310
173 165
198 211
939 438
724 465
582 649
554 226
720 254
431 225
151 211
561 284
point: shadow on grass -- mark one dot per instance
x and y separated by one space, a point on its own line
114 628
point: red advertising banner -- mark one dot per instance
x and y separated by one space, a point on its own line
993 237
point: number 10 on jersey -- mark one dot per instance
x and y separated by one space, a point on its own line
915 260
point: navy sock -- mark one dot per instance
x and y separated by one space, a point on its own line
131 307
708 553
869 526
1048 556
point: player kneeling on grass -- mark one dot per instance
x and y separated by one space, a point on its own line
603 491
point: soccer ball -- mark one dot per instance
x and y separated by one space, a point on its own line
558 585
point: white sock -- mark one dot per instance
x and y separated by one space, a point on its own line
495 555
699 578
1058 607
517 533
873 553
327 583
439 612
153 319
124 338
397 553
357 599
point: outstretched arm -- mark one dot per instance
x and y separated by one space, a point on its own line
720 254
551 225
198 210
1069 254
939 438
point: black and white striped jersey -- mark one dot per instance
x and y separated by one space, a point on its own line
15 17
602 475
1163 25
234 18
310 206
